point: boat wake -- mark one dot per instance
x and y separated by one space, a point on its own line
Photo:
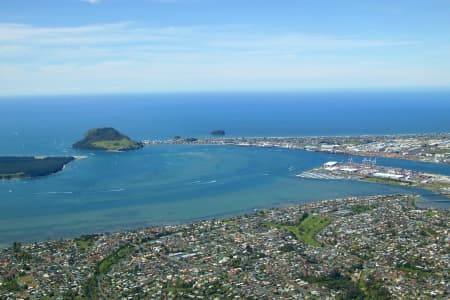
53 193
204 182
113 190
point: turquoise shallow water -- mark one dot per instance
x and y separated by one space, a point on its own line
172 184
167 184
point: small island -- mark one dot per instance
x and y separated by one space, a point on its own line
13 167
107 139
218 132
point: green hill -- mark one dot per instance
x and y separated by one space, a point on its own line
107 139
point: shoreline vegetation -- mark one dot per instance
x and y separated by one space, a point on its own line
20 167
437 188
106 139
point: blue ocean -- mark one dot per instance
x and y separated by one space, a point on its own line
173 184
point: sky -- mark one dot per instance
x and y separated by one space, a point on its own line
145 46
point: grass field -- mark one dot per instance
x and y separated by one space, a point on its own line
85 242
115 145
434 186
305 230
106 264
385 181
362 208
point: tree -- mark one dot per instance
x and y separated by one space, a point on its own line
17 247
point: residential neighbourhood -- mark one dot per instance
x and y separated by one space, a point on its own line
376 246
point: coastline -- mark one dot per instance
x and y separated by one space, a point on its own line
369 171
63 224
346 145
418 203
356 233
80 156
23 167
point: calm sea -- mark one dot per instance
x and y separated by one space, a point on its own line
172 184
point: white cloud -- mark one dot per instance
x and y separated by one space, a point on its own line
91 1
175 1
226 37
135 76
116 33
300 41
128 57
11 50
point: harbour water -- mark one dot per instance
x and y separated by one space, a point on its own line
172 184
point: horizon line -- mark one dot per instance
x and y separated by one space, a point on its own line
237 91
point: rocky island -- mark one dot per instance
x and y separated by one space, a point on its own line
108 139
12 167
218 132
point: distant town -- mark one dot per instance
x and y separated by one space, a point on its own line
376 247
419 147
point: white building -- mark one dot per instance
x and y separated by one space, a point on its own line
330 164
388 176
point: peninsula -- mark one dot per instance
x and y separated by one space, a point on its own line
107 139
28 166
369 171
432 147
